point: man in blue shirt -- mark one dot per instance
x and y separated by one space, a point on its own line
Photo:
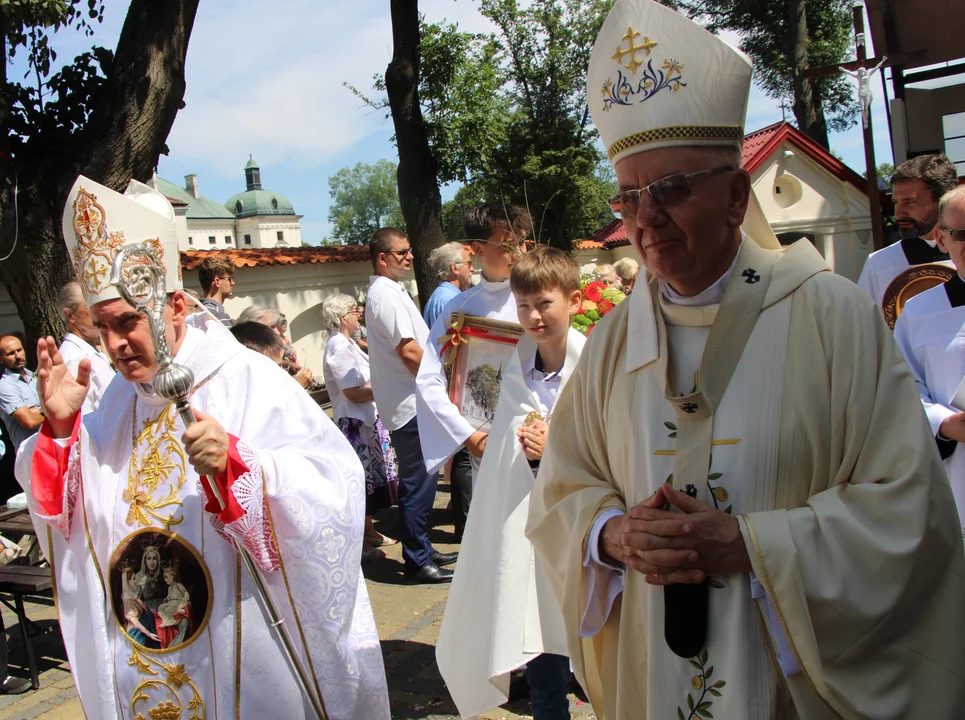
19 403
453 266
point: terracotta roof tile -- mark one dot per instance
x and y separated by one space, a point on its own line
258 257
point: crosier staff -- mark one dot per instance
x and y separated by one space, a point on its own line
139 278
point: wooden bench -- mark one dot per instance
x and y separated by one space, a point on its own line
18 581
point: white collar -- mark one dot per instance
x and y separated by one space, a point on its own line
711 296
383 279
82 344
529 369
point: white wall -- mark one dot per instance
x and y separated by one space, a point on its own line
833 210
200 230
298 291
264 231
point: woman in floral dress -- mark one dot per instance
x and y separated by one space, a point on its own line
346 370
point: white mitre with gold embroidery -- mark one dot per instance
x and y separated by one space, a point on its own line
657 79
98 221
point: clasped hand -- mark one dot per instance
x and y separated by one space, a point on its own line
676 547
533 439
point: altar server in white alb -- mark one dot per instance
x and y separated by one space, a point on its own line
931 333
158 615
498 235
741 508
501 614
918 184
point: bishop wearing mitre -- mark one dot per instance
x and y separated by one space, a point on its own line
159 617
741 508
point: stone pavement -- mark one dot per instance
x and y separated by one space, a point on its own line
408 618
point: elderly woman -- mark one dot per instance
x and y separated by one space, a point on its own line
607 273
346 370
277 321
627 269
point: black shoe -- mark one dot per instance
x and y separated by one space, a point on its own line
14 686
443 559
430 573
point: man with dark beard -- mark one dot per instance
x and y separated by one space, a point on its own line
918 185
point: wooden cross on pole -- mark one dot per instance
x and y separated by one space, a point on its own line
865 64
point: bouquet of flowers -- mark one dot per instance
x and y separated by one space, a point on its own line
598 300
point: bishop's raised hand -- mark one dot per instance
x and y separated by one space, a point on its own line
61 394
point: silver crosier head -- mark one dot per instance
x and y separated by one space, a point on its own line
139 277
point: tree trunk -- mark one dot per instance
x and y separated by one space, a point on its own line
123 139
807 103
418 186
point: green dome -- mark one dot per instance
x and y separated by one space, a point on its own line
254 200
259 202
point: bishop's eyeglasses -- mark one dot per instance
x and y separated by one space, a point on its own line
667 191
956 234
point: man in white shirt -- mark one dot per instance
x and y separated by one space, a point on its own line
931 337
918 185
397 334
82 341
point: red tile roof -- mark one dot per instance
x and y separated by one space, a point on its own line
252 257
758 146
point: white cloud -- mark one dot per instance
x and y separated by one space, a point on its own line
270 81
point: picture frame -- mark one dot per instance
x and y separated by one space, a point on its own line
475 364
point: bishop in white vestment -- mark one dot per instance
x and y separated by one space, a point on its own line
741 508
158 615
931 334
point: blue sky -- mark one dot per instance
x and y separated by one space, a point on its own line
266 79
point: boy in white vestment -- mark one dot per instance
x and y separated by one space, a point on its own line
931 334
500 614
498 235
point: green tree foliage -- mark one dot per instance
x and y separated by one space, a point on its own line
548 156
884 172
770 37
507 115
365 198
106 115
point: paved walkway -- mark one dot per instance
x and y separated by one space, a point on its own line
408 618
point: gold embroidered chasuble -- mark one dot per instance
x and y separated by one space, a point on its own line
819 445
158 616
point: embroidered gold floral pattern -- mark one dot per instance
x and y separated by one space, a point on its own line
95 247
157 471
94 252
698 706
174 688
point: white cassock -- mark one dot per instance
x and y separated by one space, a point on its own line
883 266
120 517
501 612
74 349
442 430
931 334
818 445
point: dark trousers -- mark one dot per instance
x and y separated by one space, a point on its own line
549 681
460 481
417 492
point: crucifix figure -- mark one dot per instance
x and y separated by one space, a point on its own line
863 76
